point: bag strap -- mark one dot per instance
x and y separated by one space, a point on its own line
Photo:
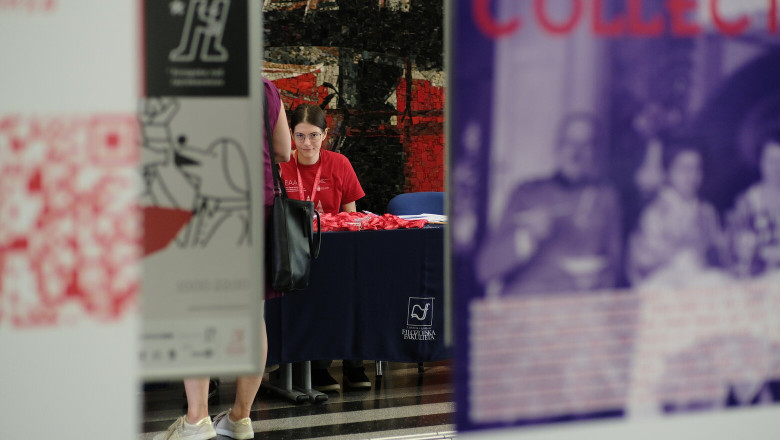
315 252
278 187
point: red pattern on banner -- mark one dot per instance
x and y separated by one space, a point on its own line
424 136
70 241
301 89
29 6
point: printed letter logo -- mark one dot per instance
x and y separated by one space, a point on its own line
204 26
416 309
420 312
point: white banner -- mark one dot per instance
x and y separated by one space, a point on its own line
69 229
202 188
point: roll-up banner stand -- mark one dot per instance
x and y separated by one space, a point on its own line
615 187
201 163
69 225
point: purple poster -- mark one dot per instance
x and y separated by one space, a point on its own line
615 209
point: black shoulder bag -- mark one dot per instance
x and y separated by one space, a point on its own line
290 242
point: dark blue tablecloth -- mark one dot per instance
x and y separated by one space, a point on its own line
373 295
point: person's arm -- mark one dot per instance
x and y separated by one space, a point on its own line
522 229
351 189
281 138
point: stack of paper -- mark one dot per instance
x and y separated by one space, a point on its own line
432 218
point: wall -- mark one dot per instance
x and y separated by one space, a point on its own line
377 68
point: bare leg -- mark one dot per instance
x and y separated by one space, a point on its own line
247 386
197 390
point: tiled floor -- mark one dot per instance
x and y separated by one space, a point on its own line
403 404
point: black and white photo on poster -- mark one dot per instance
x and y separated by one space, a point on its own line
616 207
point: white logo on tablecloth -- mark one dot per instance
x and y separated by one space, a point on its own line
419 320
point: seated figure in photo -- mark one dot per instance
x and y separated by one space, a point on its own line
754 222
560 233
678 236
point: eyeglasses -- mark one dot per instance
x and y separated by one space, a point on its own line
301 138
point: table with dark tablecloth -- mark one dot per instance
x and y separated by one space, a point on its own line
372 295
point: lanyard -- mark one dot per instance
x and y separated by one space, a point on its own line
315 184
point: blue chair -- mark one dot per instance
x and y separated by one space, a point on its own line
430 202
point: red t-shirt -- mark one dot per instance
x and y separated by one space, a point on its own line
338 183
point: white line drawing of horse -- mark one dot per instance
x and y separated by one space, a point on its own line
213 182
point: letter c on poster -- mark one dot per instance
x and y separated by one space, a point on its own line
485 22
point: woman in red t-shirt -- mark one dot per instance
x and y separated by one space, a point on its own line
327 179
337 187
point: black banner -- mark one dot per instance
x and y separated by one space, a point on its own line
196 48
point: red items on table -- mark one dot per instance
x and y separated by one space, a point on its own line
358 221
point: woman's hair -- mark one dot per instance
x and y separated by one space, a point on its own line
310 114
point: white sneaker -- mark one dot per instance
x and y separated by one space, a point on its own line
240 430
181 430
